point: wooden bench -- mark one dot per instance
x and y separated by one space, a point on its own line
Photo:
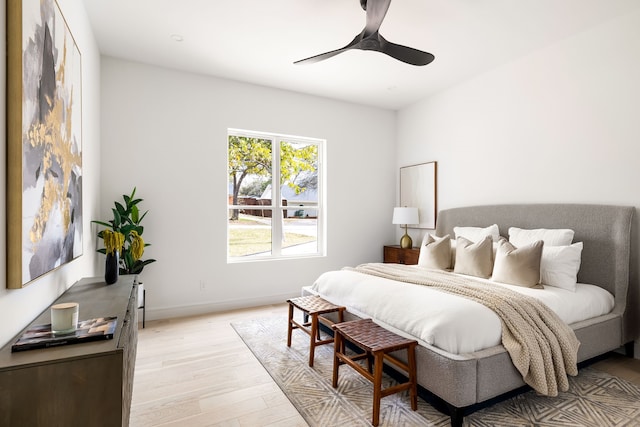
377 343
315 307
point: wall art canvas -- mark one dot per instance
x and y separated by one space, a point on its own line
418 189
44 145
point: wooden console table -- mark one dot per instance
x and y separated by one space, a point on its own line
87 384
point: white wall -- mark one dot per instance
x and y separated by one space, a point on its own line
19 307
559 125
165 132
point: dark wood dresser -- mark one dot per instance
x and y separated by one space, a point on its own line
86 384
395 254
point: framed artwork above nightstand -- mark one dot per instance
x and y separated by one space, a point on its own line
418 188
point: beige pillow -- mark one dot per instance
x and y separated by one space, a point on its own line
435 252
518 266
453 250
474 259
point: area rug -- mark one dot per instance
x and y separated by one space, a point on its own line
594 398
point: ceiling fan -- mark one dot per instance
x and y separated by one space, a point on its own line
370 39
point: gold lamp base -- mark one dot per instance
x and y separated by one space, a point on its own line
405 241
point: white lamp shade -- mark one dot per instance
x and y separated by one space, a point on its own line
405 216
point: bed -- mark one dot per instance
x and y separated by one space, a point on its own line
465 379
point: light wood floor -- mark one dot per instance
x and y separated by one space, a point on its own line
196 371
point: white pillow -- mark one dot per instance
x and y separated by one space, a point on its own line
476 234
560 265
550 237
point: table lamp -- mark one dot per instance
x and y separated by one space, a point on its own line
405 216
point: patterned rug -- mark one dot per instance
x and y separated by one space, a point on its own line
594 399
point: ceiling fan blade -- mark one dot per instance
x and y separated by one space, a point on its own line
405 54
376 11
327 55
321 57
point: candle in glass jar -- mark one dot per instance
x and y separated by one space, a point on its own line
64 317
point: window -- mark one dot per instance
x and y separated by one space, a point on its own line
274 212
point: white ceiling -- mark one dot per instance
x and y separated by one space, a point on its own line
257 41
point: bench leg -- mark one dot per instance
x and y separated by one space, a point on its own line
290 327
314 334
413 391
378 358
337 348
369 362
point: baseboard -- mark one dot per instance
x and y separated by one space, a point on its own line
213 307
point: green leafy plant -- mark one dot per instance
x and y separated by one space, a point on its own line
126 221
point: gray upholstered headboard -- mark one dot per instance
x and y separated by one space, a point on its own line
604 229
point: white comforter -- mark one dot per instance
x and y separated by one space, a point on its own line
449 322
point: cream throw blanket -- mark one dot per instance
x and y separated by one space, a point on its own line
542 347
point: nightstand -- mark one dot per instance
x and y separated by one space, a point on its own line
395 254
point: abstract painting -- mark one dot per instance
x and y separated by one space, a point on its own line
44 146
418 189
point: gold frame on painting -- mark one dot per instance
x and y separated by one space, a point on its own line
44 141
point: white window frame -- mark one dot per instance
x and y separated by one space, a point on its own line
276 206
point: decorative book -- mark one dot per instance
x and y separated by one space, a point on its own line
40 336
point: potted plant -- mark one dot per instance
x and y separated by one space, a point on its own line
123 236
